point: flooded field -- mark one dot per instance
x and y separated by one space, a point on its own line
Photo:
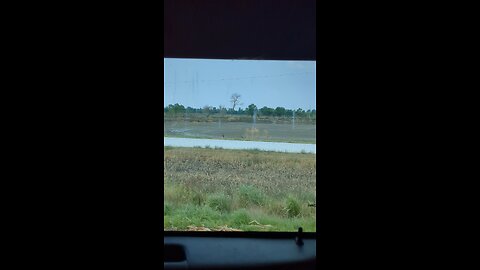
234 144
300 133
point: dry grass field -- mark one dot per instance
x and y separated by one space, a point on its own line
248 190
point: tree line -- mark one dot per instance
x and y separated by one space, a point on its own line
178 109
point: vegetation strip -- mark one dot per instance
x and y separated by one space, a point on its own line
238 190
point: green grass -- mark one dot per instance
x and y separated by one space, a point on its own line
220 202
250 195
244 219
246 190
293 208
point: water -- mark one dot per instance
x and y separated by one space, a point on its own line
232 144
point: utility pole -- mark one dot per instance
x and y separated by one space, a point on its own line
293 120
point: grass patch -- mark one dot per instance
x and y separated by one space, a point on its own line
240 217
220 202
198 198
292 207
167 209
246 190
250 195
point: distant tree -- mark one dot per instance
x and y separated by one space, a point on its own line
222 111
300 113
175 109
207 110
288 112
235 100
250 109
180 109
265 111
309 114
280 111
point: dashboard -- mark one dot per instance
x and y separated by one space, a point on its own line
279 251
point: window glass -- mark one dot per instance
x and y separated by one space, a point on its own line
239 145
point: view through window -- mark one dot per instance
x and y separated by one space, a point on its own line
239 145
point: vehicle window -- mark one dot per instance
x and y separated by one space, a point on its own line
239 145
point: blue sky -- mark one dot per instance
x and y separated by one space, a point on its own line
200 82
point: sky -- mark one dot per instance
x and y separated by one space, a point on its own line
200 82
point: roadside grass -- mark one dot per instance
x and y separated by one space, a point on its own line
250 191
244 219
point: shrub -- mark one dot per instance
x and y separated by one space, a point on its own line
220 202
176 194
250 195
198 198
167 209
240 217
276 208
292 207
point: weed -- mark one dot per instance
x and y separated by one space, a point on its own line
292 207
220 202
250 195
240 217
198 198
167 209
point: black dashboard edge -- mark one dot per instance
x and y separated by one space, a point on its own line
265 235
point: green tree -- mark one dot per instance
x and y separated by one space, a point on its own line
250 109
280 111
300 113
288 113
266 111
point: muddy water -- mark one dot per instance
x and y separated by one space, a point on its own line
233 144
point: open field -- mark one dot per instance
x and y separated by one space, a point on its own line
302 133
245 190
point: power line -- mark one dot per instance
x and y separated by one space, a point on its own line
239 78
